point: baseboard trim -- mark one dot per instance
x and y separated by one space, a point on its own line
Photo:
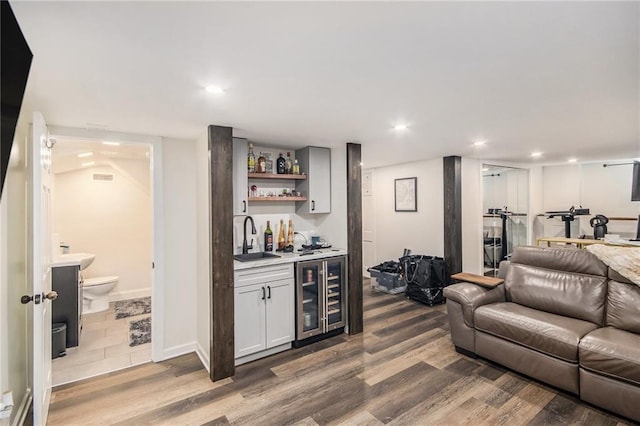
115 296
175 351
204 358
23 409
262 354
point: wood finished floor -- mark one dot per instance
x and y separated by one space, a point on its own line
402 370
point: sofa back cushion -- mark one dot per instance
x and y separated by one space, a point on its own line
623 303
561 281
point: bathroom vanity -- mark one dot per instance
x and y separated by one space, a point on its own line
67 308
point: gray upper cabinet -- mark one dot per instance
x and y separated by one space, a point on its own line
240 192
316 162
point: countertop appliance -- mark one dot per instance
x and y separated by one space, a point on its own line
320 299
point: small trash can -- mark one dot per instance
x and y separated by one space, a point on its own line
58 340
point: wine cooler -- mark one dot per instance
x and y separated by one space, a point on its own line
320 299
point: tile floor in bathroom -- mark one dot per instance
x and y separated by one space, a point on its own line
104 347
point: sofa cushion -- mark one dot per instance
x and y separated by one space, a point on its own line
612 352
563 293
560 259
548 333
623 306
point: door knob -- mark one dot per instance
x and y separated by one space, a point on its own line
52 295
26 299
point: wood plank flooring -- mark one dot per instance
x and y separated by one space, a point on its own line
403 370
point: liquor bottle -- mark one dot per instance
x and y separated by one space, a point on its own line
251 160
268 238
262 164
290 234
296 167
281 240
289 164
281 165
268 163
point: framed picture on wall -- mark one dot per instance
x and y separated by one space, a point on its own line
406 194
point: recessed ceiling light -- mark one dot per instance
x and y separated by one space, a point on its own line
485 169
111 143
216 90
572 160
536 154
361 164
85 154
480 142
90 163
400 127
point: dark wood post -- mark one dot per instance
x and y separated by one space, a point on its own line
354 237
452 171
221 353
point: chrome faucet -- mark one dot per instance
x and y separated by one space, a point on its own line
245 246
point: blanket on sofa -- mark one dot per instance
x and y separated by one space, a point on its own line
623 260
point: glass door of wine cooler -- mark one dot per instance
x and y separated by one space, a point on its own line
310 299
336 300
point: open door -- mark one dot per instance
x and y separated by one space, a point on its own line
40 270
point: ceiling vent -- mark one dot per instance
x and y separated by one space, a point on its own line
102 176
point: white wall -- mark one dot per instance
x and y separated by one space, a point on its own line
14 322
203 312
472 221
111 219
422 231
603 190
180 239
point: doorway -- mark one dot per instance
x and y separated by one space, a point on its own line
102 204
505 195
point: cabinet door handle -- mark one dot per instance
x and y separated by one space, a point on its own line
263 294
269 289
244 206
313 205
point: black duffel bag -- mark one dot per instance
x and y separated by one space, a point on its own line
425 278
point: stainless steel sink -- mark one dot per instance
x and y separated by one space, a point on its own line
254 256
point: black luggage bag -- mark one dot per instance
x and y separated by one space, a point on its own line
425 277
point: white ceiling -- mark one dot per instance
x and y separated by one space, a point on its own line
559 77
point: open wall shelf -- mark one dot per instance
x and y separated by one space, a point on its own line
274 176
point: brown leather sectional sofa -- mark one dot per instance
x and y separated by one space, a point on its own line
562 317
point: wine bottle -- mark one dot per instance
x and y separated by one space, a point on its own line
251 160
281 165
296 167
290 234
268 238
289 164
262 164
281 240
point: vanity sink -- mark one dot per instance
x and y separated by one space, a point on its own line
83 259
254 256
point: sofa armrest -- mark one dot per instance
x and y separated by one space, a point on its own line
471 296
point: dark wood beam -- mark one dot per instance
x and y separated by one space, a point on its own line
354 237
221 351
452 173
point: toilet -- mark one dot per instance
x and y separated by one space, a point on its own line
95 293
